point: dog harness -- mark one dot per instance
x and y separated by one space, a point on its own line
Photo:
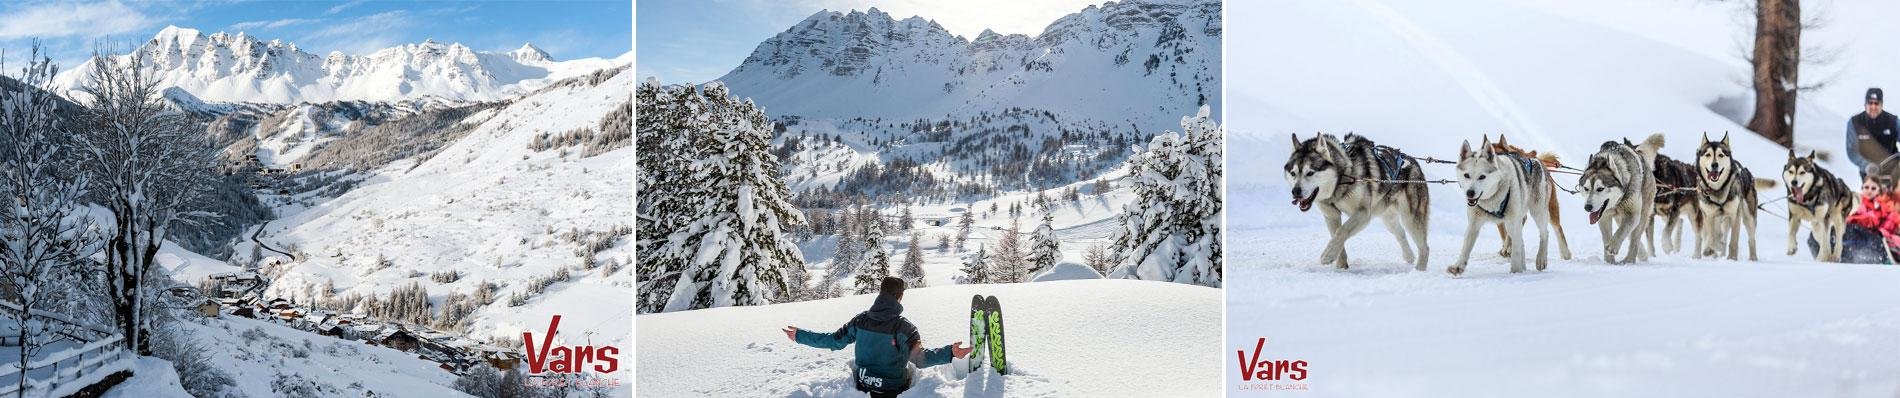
1505 204
1391 159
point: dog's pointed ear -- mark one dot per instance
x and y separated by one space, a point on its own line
1296 141
1811 155
1501 140
1705 138
1464 151
1725 138
1791 154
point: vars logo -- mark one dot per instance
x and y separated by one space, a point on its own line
1258 373
567 359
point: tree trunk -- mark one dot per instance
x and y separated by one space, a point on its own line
1777 59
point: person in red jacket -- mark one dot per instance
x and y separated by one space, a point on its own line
1874 228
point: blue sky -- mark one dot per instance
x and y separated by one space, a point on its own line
565 29
700 40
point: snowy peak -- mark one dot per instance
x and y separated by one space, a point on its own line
1165 49
236 67
529 54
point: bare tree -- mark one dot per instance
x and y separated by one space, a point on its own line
148 166
45 238
1777 56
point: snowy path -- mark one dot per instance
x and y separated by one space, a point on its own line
1676 327
1068 338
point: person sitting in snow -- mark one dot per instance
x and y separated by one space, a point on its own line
1874 228
1870 135
888 347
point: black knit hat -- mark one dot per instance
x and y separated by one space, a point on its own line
1874 95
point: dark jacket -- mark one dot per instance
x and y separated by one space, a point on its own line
1871 138
884 346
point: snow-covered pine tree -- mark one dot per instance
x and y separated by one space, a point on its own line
876 264
976 268
905 221
913 269
44 238
1171 232
733 248
963 227
150 167
1010 259
1044 250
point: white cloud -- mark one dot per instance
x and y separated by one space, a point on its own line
345 6
361 35
53 20
250 25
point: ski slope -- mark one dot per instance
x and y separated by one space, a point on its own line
1066 338
1556 76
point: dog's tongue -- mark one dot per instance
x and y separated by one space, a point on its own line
1799 197
1594 216
1304 205
1713 174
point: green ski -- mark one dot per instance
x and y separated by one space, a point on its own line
993 313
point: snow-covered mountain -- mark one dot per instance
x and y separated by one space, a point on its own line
1146 62
238 67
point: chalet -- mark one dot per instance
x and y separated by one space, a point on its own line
279 304
246 312
207 308
398 339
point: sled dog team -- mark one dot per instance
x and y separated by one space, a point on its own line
1625 186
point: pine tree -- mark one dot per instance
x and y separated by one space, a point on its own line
976 268
1010 259
913 269
731 210
963 228
1171 232
1043 247
876 265
905 221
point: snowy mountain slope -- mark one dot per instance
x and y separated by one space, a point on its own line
241 68
1066 338
1144 62
1555 77
262 356
489 207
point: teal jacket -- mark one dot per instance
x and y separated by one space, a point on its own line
884 346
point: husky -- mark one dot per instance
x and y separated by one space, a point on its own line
1503 188
1728 199
1675 200
1326 172
1818 197
1618 182
1547 160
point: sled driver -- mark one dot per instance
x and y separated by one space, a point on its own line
889 349
1870 135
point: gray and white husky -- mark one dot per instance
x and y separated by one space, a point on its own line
1728 199
1818 197
1619 183
1503 189
1325 172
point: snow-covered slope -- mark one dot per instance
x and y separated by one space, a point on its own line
242 68
1555 76
1145 62
1066 338
491 208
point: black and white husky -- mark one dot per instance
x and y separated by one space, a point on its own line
1819 198
1728 199
1325 172
1503 189
1619 190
